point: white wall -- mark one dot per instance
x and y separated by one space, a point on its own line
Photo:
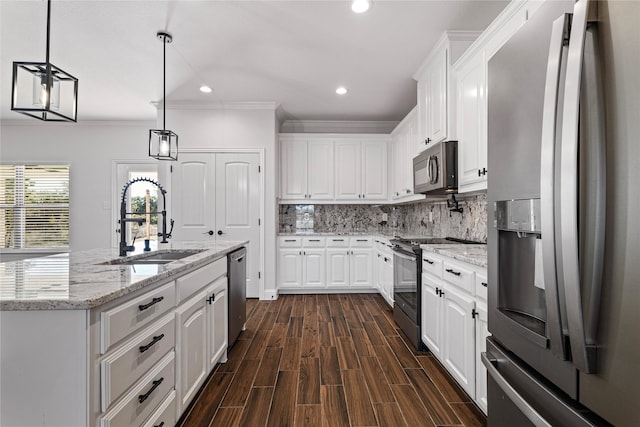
240 128
89 149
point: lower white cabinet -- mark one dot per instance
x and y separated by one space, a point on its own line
454 320
459 346
217 315
383 268
328 263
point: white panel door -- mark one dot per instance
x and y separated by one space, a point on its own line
348 173
482 332
338 268
374 170
320 176
471 130
191 342
437 97
459 338
388 278
192 196
361 267
290 268
397 166
293 169
314 268
238 208
432 315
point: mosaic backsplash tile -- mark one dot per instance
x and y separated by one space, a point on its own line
413 218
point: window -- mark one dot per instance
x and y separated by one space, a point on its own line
34 206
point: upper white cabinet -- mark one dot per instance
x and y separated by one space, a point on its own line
404 147
469 75
333 168
306 168
434 88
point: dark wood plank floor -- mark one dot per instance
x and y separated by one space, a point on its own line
328 360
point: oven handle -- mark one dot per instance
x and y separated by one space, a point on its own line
528 410
403 256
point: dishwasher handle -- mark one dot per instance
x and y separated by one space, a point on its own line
238 255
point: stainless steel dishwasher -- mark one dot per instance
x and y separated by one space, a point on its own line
237 268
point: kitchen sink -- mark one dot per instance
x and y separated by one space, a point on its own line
156 257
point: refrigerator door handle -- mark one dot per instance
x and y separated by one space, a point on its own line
583 352
524 406
548 184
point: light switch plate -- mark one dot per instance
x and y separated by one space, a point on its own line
385 217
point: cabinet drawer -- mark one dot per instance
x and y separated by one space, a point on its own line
431 264
165 415
143 399
361 242
459 276
120 321
338 242
290 242
481 286
313 242
124 366
191 283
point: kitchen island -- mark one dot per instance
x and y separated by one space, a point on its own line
90 338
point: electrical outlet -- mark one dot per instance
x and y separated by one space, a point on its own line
385 217
430 216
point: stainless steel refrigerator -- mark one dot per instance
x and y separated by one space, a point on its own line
564 218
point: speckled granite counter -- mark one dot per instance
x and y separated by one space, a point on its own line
473 254
79 280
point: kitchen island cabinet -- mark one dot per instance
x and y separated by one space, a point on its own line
84 342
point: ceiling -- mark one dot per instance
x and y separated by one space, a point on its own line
294 53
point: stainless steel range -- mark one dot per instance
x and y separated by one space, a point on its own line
407 282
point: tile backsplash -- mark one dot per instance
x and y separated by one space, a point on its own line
412 218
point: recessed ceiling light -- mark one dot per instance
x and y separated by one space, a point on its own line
205 89
360 6
341 90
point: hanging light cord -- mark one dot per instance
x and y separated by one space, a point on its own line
47 63
164 81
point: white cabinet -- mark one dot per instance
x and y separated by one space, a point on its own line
314 267
306 168
361 170
459 330
217 321
434 88
482 332
361 267
289 268
383 262
432 315
191 343
469 76
405 145
338 267
333 168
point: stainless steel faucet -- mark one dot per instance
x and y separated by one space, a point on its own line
124 248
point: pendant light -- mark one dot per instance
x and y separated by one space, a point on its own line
42 90
163 144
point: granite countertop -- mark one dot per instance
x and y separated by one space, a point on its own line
79 280
473 254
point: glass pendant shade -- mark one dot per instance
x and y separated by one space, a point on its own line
42 90
163 144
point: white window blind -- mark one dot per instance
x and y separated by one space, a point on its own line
34 206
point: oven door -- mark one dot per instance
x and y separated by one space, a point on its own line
405 282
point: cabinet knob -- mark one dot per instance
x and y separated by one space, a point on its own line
427 141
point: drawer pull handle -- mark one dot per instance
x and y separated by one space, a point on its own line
289 240
154 301
484 284
314 240
155 385
361 240
428 261
159 425
338 240
449 270
146 347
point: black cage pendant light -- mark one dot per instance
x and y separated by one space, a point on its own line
42 90
163 144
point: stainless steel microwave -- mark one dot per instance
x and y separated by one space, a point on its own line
435 170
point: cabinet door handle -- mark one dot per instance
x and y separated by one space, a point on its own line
474 313
304 252
212 298
143 307
363 196
428 261
146 347
427 141
438 291
159 425
144 397
456 273
484 284
300 253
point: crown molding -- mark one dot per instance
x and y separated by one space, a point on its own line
188 105
337 126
